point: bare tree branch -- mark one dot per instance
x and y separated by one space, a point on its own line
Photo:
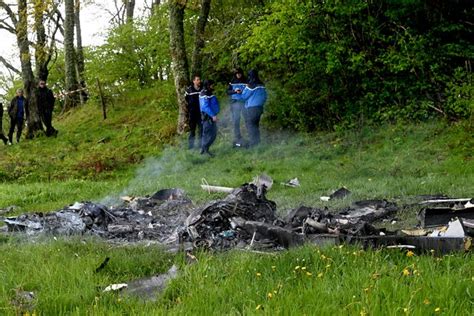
10 12
9 66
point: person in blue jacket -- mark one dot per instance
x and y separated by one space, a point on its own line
236 85
255 96
209 110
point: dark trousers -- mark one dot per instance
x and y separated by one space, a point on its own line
195 124
252 122
236 107
209 134
47 118
3 138
18 123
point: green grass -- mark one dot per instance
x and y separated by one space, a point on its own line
331 280
98 160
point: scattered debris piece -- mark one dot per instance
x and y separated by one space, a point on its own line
149 289
292 183
340 193
102 265
263 180
24 301
442 215
217 189
169 195
115 287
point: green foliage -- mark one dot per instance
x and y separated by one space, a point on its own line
134 56
339 63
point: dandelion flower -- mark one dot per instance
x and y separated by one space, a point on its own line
308 273
320 275
270 295
406 272
303 268
258 274
410 253
437 310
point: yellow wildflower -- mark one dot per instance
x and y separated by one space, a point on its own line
308 273
406 272
258 274
328 266
437 310
363 313
259 306
270 295
410 253
320 275
297 267
303 268
426 301
273 268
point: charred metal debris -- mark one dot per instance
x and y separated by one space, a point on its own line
246 219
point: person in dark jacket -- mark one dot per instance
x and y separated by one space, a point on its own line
46 99
255 96
194 111
17 111
209 110
236 85
2 136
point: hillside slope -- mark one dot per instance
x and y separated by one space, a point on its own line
135 151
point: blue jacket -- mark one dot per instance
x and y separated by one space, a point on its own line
209 104
236 83
256 96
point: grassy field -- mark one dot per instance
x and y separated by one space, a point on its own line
338 280
100 160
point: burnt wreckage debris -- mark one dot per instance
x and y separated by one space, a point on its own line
245 219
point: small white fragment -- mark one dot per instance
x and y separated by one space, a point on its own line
325 198
115 287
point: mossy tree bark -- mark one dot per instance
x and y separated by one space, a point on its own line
180 67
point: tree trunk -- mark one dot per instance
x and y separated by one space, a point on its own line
129 8
41 49
179 59
155 5
71 99
79 48
199 36
33 119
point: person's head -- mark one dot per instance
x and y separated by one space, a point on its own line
253 78
19 92
239 73
208 86
197 81
42 84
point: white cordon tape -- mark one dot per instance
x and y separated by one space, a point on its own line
68 93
